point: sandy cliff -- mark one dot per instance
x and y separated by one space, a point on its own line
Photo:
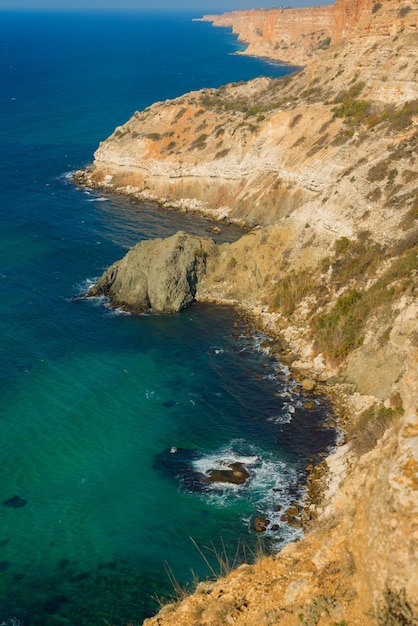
323 165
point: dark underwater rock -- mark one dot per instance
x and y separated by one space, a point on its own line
178 463
15 502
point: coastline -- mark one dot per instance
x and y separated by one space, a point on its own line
363 508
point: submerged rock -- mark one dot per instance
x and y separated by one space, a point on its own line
158 274
15 502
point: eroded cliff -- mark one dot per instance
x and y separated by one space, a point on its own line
324 164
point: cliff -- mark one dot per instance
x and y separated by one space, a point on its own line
297 35
323 165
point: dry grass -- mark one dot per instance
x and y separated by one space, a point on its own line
371 426
292 289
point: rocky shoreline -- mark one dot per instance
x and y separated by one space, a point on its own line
322 166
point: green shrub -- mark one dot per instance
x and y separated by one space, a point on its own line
354 258
352 110
342 329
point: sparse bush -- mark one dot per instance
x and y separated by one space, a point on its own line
339 331
200 142
410 218
371 426
342 329
295 120
379 171
374 195
222 153
343 136
180 113
352 110
404 11
153 136
354 259
395 610
401 118
291 291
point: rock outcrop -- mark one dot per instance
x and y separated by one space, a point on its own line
324 163
157 274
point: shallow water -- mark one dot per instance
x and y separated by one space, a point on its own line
93 400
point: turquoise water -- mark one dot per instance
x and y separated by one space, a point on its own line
107 418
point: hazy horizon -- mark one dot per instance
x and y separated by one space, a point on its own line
198 6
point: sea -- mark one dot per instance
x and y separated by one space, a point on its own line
108 420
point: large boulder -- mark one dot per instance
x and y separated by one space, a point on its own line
157 274
236 474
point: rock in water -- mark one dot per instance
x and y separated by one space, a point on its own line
15 502
158 274
236 474
260 524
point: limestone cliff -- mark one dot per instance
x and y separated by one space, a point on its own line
324 164
297 35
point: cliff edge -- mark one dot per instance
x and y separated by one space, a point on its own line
323 165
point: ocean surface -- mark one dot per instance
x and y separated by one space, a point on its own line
107 419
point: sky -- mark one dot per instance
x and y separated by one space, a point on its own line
198 6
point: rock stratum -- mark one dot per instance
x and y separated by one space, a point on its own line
322 166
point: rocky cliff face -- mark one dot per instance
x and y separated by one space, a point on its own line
297 35
324 164
289 35
159 274
257 152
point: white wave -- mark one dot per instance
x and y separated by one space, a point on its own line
290 407
216 350
221 461
268 475
112 310
67 176
85 285
283 418
267 489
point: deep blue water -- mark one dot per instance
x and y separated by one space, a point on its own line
92 400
